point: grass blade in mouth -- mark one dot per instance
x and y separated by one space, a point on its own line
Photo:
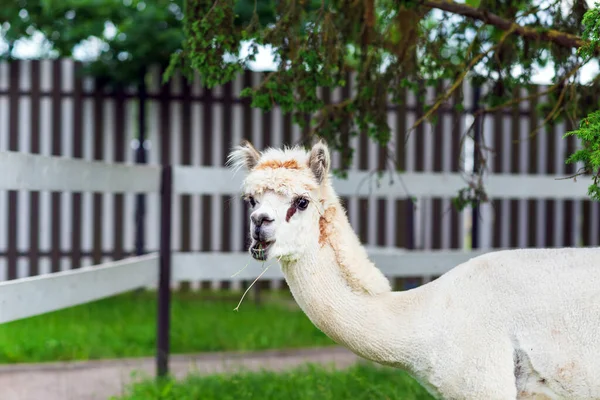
249 287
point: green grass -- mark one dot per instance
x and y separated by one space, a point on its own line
124 326
361 382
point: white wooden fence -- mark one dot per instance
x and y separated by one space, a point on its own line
49 107
31 296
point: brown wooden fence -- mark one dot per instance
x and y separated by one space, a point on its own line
47 107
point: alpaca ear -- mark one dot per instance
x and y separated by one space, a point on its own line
243 156
319 161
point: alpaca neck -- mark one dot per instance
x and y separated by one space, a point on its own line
350 300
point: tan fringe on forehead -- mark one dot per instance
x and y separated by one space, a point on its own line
288 164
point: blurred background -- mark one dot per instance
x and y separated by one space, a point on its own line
83 79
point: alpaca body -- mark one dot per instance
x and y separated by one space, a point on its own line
513 324
472 331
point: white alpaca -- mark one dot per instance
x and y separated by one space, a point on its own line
519 324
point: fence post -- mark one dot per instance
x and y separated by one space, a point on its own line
164 282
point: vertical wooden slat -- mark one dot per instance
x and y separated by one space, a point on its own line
165 122
586 223
267 127
226 200
98 154
436 222
13 143
206 151
382 221
34 202
119 157
77 150
436 219
246 108
532 168
400 125
569 205
56 151
478 122
550 223
515 150
382 217
345 139
419 157
419 132
247 135
498 168
404 233
227 122
207 160
186 159
363 151
514 225
363 222
226 219
404 221
455 151
550 218
531 223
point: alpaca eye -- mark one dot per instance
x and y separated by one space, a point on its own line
302 203
252 201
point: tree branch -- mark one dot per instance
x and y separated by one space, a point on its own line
461 78
562 39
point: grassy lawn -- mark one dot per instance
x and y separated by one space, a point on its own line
360 382
124 326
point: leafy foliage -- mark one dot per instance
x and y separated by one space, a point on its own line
132 34
589 127
143 32
392 47
376 51
591 32
589 155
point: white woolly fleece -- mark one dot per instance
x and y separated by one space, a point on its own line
518 324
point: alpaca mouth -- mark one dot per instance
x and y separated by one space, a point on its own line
259 250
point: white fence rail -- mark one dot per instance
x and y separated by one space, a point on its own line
27 297
41 294
221 181
22 171
240 266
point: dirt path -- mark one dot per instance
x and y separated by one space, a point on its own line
99 380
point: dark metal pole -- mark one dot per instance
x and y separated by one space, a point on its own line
477 138
140 158
164 282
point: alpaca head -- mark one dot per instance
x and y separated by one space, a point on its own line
287 191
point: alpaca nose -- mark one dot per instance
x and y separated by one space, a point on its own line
259 219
